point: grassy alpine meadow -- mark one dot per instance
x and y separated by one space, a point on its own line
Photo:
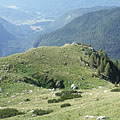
96 102
29 80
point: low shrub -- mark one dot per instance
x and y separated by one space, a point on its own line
55 100
115 90
42 112
65 105
58 93
69 95
65 95
9 112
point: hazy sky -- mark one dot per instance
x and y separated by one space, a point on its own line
52 6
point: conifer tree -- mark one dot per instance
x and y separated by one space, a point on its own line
108 69
98 71
115 61
93 60
101 66
98 61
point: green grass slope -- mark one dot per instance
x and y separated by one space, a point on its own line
24 77
47 66
100 29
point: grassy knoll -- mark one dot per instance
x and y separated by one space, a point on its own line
24 76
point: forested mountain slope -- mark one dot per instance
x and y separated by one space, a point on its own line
100 29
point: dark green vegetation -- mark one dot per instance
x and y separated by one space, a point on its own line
65 95
115 90
100 29
65 105
106 69
57 67
9 112
42 112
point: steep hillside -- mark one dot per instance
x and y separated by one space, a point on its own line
100 29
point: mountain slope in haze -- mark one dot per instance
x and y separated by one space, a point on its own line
23 37
72 14
6 39
28 32
100 29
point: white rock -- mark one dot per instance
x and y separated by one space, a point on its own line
30 91
74 88
21 103
32 111
100 87
38 90
105 91
101 118
72 85
88 116
13 96
34 115
91 94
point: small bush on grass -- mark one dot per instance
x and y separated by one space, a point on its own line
58 93
55 100
65 105
65 95
69 96
42 112
9 112
115 90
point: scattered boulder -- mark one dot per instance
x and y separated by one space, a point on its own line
34 115
21 103
101 118
74 87
65 64
88 117
13 96
30 91
9 101
32 111
60 84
